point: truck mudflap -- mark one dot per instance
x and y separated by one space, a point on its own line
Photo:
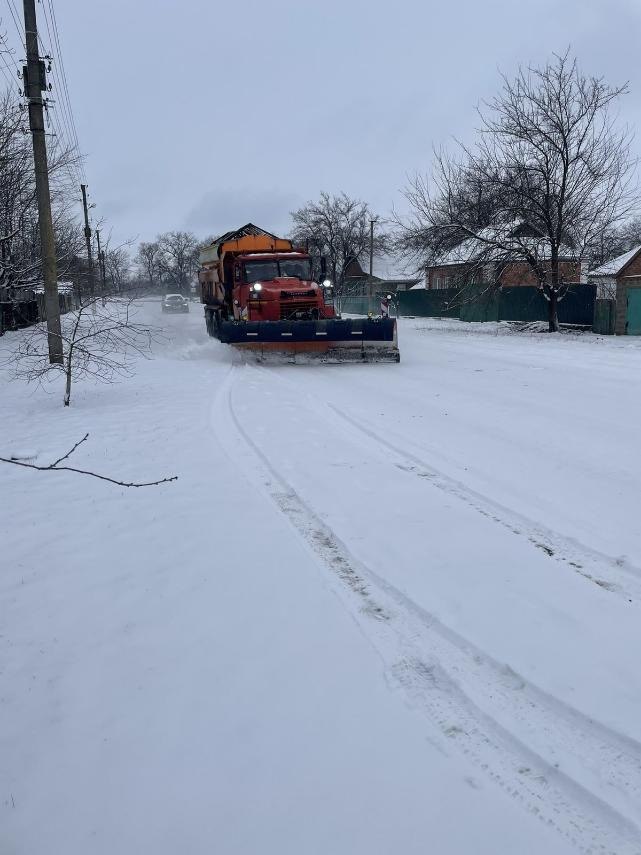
332 340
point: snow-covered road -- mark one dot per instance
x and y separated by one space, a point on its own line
384 609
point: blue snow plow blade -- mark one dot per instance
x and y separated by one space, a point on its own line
333 340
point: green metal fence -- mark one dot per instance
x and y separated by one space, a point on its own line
605 317
358 305
515 303
429 304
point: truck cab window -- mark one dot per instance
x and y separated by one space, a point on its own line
259 271
297 268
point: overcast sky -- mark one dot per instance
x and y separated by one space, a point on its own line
203 115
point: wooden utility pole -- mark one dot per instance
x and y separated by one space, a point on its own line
101 263
92 284
34 83
371 265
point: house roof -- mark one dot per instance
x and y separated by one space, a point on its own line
615 265
386 269
413 280
480 247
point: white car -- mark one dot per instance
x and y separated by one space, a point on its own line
175 303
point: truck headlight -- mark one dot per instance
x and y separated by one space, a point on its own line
257 286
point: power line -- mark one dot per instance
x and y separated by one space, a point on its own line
57 83
4 74
61 114
16 18
56 38
3 41
64 122
5 68
61 120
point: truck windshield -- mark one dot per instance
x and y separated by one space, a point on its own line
299 268
263 271
257 271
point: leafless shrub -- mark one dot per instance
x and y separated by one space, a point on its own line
101 339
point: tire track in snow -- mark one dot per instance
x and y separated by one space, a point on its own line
618 755
568 551
428 661
612 574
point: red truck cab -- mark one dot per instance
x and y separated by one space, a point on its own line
278 287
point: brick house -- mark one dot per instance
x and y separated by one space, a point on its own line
471 263
615 280
357 282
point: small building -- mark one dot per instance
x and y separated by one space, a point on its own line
476 262
358 282
620 280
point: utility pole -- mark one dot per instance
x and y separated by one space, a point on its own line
101 263
92 284
34 83
371 265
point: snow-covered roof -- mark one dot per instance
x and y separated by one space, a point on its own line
421 286
615 265
387 267
480 247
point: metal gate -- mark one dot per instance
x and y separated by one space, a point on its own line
633 314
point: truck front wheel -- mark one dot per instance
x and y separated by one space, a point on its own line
209 322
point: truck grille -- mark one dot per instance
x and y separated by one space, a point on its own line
288 295
289 309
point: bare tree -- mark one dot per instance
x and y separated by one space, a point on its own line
20 266
117 269
178 258
552 169
615 241
101 339
433 229
148 261
338 228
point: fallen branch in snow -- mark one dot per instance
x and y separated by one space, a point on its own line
57 468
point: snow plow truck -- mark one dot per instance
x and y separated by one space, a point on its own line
260 296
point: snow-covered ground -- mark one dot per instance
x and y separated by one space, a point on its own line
384 609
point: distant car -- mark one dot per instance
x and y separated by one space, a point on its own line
175 303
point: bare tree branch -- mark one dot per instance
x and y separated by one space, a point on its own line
55 467
338 228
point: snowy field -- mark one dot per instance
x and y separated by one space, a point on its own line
384 609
